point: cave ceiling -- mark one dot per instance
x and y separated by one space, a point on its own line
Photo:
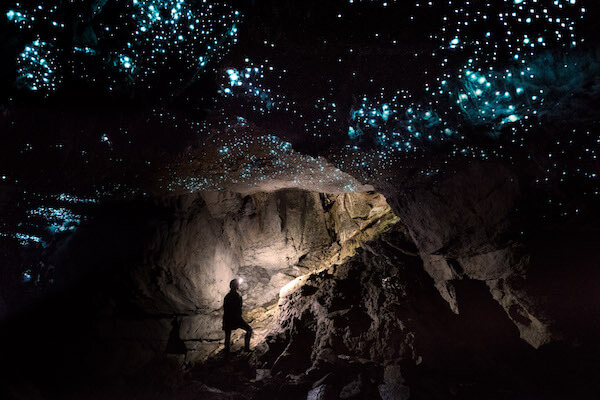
124 99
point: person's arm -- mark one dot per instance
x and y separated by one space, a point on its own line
226 305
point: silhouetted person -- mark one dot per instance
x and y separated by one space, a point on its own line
232 316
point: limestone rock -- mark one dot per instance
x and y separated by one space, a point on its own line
348 312
497 264
201 241
393 387
322 392
261 237
534 330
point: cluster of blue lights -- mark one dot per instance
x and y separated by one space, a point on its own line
396 126
69 198
494 64
37 67
41 223
490 65
143 44
16 16
265 160
500 48
491 69
27 19
171 34
247 83
27 276
27 239
488 100
125 63
57 219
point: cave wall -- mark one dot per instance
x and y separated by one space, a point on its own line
454 287
380 311
170 263
474 224
265 238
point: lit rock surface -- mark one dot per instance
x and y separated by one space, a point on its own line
463 229
204 240
346 298
367 325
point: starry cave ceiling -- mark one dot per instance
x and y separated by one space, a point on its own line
409 189
144 96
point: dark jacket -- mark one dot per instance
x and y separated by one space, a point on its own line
232 311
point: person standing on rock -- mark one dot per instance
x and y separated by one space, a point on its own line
232 316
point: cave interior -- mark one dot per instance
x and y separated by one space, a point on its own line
407 193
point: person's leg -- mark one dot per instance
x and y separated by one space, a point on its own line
227 340
248 330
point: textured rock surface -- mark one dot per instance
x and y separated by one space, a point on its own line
168 295
382 311
452 300
267 239
365 318
464 228
361 308
352 302
516 303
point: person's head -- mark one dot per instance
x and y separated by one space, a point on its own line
234 284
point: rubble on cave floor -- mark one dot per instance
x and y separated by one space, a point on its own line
241 375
